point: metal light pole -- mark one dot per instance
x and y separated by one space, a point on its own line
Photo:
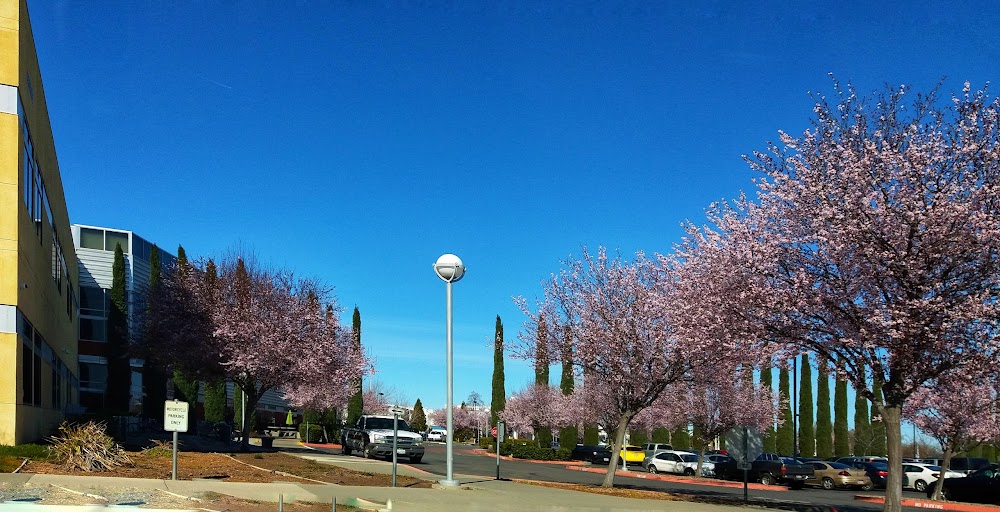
795 407
451 270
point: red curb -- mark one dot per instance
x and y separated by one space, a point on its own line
933 505
681 479
318 445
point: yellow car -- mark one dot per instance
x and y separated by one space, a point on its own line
632 454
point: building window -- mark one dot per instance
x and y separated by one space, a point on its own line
93 301
93 329
92 238
36 374
113 239
26 381
93 377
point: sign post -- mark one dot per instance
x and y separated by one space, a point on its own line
498 432
396 411
175 419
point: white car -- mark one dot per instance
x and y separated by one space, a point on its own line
437 434
680 463
920 476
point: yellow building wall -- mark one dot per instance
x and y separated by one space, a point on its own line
26 248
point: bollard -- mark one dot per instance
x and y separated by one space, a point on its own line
333 504
281 503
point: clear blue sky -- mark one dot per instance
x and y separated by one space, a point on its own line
358 141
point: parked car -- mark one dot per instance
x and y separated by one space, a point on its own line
878 472
436 433
680 463
981 486
831 475
768 468
862 458
650 449
968 464
372 436
716 457
921 476
631 454
591 453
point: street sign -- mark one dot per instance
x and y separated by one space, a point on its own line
493 431
397 410
175 416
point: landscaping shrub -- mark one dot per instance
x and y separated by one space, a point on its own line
25 451
524 449
160 449
87 447
315 433
488 443
564 454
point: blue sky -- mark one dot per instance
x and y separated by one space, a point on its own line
358 141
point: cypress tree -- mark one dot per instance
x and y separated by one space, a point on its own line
215 401
862 425
767 437
783 440
841 437
543 434
877 426
567 435
119 371
807 435
661 435
680 439
186 390
418 419
638 437
499 397
356 404
154 373
824 427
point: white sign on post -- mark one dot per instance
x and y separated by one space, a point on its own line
175 416
397 410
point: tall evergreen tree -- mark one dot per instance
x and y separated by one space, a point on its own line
841 436
215 401
862 425
784 439
680 438
418 420
807 433
661 435
154 370
768 437
542 435
119 386
356 404
567 435
877 426
498 400
824 425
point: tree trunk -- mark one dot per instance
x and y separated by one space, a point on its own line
949 451
894 485
616 447
701 456
252 397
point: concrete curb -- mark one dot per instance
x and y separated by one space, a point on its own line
933 505
504 457
681 479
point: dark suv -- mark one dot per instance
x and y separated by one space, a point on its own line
592 454
968 464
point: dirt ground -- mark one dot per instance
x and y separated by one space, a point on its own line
235 468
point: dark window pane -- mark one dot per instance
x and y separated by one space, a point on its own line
91 238
93 329
114 239
26 375
36 373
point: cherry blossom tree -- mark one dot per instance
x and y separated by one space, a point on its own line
462 418
622 337
873 243
261 328
537 407
958 412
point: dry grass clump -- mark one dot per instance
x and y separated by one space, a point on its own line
159 449
87 447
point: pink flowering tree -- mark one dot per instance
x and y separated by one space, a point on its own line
958 412
462 418
622 339
263 329
537 407
375 402
872 243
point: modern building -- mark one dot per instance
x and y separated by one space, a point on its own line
95 248
38 268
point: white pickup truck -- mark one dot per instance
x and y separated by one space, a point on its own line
372 436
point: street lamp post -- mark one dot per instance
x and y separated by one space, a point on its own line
451 270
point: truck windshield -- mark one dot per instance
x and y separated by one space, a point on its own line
384 423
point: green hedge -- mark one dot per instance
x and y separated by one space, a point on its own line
521 449
315 432
25 451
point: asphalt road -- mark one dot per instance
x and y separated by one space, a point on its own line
809 499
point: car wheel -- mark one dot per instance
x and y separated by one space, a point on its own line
345 448
828 483
688 472
867 487
369 452
767 479
651 469
920 486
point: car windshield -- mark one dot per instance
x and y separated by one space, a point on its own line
837 465
384 423
690 457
